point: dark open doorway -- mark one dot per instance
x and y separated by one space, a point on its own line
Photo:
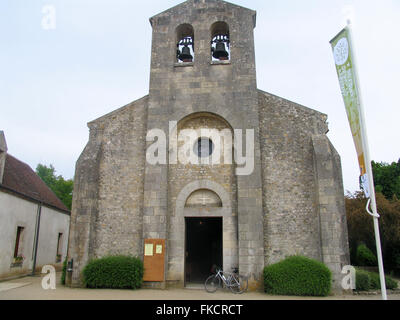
203 248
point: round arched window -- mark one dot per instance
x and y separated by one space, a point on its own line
204 147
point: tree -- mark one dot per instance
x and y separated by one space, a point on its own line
61 187
387 178
361 229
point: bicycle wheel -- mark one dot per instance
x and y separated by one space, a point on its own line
212 283
238 284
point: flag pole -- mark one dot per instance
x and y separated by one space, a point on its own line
368 165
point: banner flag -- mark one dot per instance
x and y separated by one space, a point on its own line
344 61
343 53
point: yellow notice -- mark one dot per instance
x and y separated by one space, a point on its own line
148 249
159 249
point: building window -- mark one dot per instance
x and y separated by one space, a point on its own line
204 147
18 257
185 43
59 247
220 42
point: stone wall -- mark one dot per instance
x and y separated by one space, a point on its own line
331 207
106 215
291 222
303 194
119 222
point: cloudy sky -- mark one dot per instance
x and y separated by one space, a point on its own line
97 59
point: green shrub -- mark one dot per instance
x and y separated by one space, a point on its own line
370 281
64 272
365 257
376 282
363 281
114 272
391 283
299 276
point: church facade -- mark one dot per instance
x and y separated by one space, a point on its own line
277 192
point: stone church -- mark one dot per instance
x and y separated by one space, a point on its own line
182 218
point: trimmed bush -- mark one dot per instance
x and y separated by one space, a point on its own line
64 272
298 276
376 281
363 282
114 272
370 281
365 257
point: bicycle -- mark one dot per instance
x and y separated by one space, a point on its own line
235 282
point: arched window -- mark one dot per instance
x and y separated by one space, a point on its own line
185 43
220 41
203 198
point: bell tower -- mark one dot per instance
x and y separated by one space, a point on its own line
203 61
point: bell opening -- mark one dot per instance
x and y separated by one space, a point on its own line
220 47
220 41
185 43
185 51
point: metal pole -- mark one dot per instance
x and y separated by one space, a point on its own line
367 160
37 237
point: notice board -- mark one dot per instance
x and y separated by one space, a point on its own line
154 260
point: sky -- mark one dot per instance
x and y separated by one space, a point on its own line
56 75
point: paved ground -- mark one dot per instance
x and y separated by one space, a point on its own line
29 288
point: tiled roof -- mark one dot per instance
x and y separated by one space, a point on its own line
19 177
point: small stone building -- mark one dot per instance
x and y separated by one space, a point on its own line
182 218
34 223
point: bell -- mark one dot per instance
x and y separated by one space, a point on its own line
185 55
220 51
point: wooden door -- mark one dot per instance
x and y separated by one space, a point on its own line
154 260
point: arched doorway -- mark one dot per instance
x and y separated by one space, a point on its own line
190 209
203 248
203 237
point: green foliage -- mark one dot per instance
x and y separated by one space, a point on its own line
114 272
376 282
365 257
64 272
391 283
299 276
61 187
366 281
361 228
387 178
363 281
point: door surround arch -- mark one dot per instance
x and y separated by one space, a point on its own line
176 252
